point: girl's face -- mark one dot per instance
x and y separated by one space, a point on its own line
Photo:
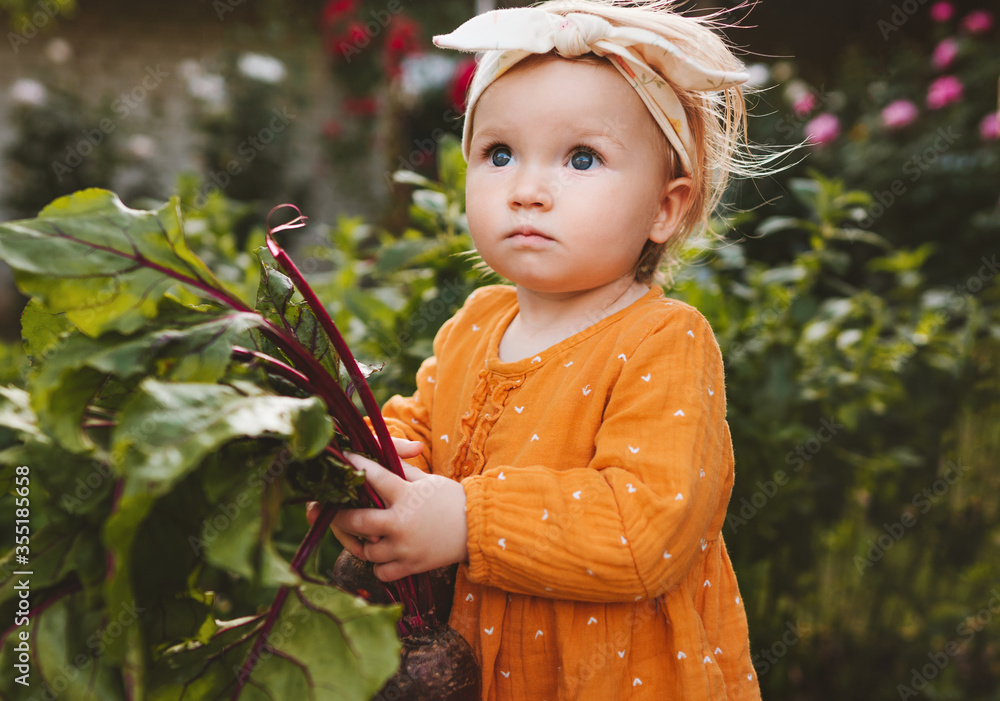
568 177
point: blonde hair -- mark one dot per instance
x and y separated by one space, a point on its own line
717 119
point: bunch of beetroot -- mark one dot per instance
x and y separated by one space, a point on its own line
106 277
436 662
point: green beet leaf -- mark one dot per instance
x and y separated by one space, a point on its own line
77 366
102 264
52 560
238 538
17 424
172 620
67 641
167 428
156 396
275 294
324 644
199 352
42 331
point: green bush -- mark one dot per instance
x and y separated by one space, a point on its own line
865 426
392 291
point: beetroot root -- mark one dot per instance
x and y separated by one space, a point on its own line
357 577
443 589
436 664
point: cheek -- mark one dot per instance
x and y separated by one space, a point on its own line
484 202
476 194
477 212
620 217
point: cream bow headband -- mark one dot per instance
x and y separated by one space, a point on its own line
641 56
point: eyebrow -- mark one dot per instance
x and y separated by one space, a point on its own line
488 133
498 132
595 134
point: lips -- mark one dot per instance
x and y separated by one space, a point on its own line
526 233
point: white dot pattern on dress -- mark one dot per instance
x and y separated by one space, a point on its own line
587 390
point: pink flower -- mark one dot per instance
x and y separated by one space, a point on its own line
401 40
944 91
337 15
804 104
347 43
944 54
364 106
942 11
978 22
335 10
823 129
460 82
989 128
899 113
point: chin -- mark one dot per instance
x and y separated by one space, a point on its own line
545 287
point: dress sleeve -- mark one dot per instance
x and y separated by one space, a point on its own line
631 523
409 417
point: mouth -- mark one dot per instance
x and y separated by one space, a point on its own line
525 233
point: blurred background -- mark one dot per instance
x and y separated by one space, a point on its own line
855 296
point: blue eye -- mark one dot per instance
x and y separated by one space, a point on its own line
500 156
583 159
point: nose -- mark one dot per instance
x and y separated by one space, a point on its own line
532 190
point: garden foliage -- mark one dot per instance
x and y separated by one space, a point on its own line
857 305
166 420
859 317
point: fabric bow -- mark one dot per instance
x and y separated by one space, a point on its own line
643 58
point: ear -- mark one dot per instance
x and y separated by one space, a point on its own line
674 200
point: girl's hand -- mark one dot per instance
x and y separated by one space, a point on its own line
423 526
404 449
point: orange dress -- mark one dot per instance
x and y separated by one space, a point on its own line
597 476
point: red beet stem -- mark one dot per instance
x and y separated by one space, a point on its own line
306 548
409 586
391 459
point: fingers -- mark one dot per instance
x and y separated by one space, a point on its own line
367 533
370 524
380 552
413 474
353 545
356 529
312 511
389 565
386 484
407 448
391 571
